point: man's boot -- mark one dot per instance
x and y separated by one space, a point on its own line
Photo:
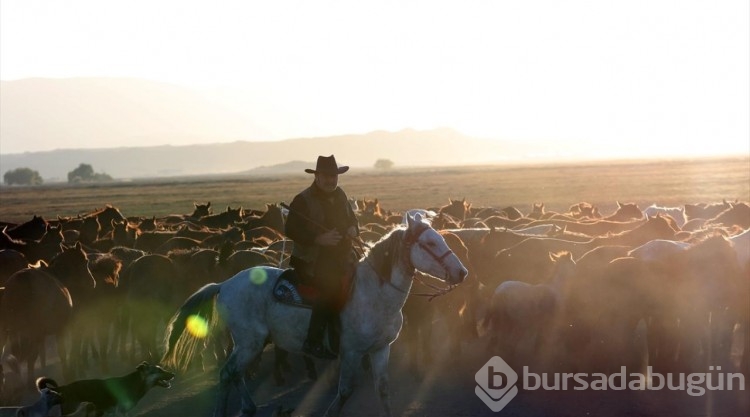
314 343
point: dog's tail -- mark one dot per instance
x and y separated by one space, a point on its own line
190 325
44 382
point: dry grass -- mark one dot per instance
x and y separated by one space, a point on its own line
666 182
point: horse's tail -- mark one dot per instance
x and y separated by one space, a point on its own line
191 324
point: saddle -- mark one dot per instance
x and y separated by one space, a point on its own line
289 289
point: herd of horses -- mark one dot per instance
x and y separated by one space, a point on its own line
666 287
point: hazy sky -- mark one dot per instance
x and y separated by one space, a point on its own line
655 72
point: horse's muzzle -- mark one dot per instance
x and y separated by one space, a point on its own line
458 277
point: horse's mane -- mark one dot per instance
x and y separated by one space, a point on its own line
382 254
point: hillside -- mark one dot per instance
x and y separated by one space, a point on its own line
132 128
405 148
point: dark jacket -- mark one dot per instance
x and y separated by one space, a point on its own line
327 211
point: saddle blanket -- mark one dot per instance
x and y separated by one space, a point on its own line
286 291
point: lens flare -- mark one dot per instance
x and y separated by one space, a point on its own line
258 276
197 326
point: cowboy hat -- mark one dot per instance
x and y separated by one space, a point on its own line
327 165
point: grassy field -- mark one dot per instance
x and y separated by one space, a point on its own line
665 182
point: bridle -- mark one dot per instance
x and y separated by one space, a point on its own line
414 240
411 240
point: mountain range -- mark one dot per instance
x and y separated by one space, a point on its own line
406 148
87 120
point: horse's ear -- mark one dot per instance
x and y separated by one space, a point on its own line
618 204
412 220
78 246
553 257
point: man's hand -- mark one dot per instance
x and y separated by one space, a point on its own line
329 238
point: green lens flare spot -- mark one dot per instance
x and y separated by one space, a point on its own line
258 276
197 326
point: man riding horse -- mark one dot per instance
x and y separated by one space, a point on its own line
322 225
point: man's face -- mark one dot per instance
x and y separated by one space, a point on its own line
327 182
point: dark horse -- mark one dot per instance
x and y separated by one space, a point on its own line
35 304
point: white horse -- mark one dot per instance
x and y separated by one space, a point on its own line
370 321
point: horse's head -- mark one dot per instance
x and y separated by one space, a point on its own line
201 210
429 253
72 267
456 208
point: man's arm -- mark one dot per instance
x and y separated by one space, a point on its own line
297 227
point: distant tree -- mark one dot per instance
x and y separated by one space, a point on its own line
383 164
101 177
85 173
22 176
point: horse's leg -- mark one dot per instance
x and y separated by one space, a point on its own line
102 337
348 367
62 352
379 360
312 373
234 371
280 363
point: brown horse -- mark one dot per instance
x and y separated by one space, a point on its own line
30 230
152 289
105 217
11 261
522 314
37 303
199 211
272 218
222 220
625 212
459 209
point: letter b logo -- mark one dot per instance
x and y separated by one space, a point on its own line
496 383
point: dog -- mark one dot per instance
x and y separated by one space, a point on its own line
41 408
116 395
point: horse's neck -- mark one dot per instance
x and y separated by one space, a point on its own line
385 278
